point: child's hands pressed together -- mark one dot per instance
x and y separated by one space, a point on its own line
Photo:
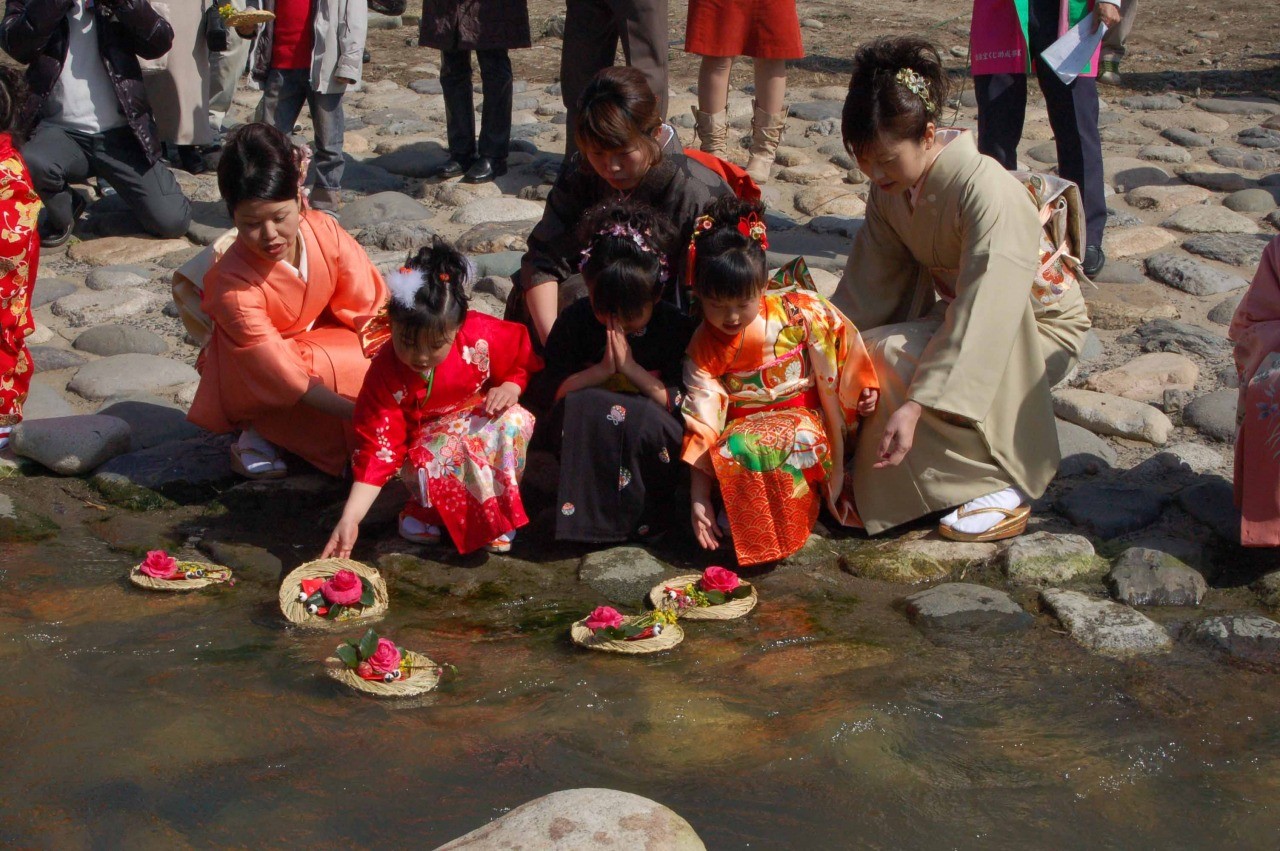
499 398
619 349
867 401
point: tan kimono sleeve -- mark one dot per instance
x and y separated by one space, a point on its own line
705 409
963 367
881 282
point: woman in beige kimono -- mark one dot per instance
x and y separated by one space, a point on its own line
968 321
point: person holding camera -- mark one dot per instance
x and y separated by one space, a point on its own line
89 109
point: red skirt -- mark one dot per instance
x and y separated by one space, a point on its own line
761 29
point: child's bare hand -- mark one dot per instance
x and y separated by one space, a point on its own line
342 540
501 397
867 401
705 528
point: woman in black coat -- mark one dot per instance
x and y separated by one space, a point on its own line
490 28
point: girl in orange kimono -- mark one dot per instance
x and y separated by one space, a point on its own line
439 406
284 363
774 376
19 257
1256 332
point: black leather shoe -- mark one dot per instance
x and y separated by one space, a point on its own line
1094 260
484 169
78 205
451 168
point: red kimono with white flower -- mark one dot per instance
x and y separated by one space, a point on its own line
462 467
19 257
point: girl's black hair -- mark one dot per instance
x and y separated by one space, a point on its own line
879 105
13 95
621 276
728 264
440 304
258 163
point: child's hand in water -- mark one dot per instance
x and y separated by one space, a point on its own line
705 528
867 401
342 540
501 397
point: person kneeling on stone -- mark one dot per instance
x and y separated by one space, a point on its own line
284 361
966 327
90 111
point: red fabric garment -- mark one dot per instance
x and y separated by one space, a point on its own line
19 259
763 29
743 184
294 35
1255 329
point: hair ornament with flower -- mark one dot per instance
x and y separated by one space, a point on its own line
917 84
701 225
752 227
642 240
404 284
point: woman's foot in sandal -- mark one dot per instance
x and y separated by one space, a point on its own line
993 517
502 543
254 458
413 529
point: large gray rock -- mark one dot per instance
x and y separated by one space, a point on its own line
108 340
188 469
1251 201
1169 335
1232 249
125 375
1166 199
382 207
1145 577
576 819
71 446
397 235
1083 452
965 607
1048 558
817 110
1147 377
1186 138
52 358
96 308
1239 106
117 277
1223 312
44 402
1105 627
912 560
151 422
502 209
622 574
1164 154
1110 510
1245 160
1268 589
1192 276
1213 504
1215 178
1213 414
1103 413
1250 639
1187 458
499 264
1259 137
1203 218
1149 103
490 237
48 290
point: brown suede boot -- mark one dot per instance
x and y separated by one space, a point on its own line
713 131
766 135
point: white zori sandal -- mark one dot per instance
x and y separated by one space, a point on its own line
993 517
413 529
253 457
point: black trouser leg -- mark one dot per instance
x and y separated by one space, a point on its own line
495 113
150 190
1002 108
1073 115
56 159
459 110
591 40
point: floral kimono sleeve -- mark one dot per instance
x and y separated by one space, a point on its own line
511 354
705 409
382 434
842 369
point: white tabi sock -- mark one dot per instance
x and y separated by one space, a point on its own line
977 523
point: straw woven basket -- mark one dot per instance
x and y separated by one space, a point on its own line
671 635
137 577
250 17
295 612
426 676
723 612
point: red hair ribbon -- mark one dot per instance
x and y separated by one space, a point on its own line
752 227
700 224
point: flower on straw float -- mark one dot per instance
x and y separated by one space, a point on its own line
604 617
160 565
386 659
719 579
343 588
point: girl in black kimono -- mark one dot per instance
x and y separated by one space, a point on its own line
612 382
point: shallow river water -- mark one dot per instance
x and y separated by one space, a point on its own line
822 720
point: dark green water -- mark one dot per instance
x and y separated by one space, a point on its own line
823 720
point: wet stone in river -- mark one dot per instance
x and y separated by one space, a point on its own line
1250 639
1105 627
71 446
1049 558
622 575
1147 577
965 607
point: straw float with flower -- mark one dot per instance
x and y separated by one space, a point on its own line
332 592
608 629
378 666
160 571
715 594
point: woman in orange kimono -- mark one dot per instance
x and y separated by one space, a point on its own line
19 257
284 363
1256 332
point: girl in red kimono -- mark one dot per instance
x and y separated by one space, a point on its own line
439 406
19 257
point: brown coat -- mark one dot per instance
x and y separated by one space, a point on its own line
474 24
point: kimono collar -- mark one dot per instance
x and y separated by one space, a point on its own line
951 163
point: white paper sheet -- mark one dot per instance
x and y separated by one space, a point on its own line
1069 55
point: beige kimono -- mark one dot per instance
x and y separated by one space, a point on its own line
178 82
942 294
